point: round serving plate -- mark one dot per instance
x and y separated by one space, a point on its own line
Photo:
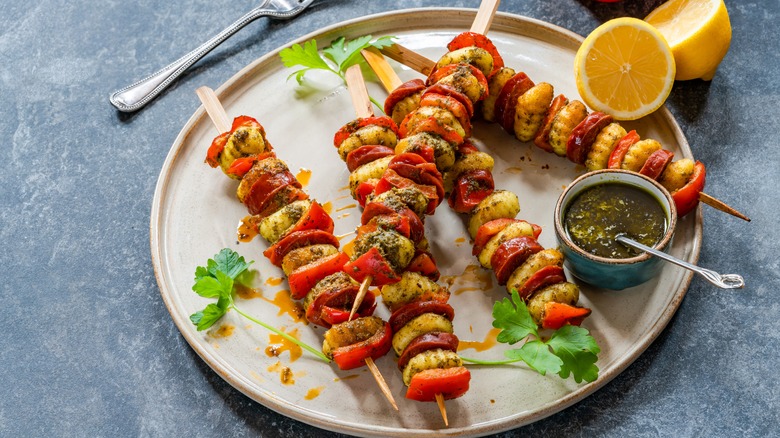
195 213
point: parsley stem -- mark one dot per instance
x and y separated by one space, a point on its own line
490 362
297 342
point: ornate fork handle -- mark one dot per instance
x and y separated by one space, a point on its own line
135 96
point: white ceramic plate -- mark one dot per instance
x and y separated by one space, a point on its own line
195 214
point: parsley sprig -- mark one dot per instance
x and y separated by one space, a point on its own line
216 280
336 58
571 350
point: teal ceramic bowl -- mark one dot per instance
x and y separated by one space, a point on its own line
613 273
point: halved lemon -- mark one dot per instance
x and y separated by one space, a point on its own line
624 68
699 33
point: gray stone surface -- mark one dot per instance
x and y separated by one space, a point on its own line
89 349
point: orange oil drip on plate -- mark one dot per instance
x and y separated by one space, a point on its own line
274 281
246 292
473 279
328 207
247 229
223 331
285 373
287 305
278 345
486 344
346 207
313 393
303 176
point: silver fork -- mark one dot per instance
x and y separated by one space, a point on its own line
135 96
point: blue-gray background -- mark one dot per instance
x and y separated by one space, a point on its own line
87 346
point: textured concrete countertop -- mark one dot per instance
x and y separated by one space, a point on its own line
89 349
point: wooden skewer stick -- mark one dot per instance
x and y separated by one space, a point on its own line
222 122
361 294
722 206
442 408
360 100
483 20
382 68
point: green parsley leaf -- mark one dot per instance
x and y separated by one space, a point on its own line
537 355
578 351
514 320
205 318
228 262
336 58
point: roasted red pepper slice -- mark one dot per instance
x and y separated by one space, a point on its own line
686 198
408 312
315 218
471 188
348 129
543 277
491 228
541 139
450 104
439 74
364 189
247 121
468 39
506 102
216 148
556 315
402 92
304 278
423 263
656 163
367 154
449 382
373 264
425 342
466 148
298 239
242 165
511 254
389 221
583 135
617 155
333 306
354 356
265 187
452 92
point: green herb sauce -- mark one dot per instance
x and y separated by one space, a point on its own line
599 213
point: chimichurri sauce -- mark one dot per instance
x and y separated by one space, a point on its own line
599 213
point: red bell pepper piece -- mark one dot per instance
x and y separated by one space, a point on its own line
686 198
373 264
449 382
333 306
216 148
423 263
617 155
391 179
354 356
304 278
556 315
363 190
416 227
315 218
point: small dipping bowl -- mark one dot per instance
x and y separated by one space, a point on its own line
613 273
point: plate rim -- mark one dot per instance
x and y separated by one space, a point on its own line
239 382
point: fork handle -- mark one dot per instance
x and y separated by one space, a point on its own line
135 96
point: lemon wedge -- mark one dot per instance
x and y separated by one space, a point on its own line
624 68
699 33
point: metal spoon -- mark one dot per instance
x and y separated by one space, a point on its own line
725 281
